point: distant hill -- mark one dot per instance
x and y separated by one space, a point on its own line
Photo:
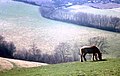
84 15
35 2
68 2
59 10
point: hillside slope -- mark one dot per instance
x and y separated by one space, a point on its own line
7 64
109 67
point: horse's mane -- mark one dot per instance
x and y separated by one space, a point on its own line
88 46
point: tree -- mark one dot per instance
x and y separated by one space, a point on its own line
62 53
35 53
100 42
76 52
115 23
6 48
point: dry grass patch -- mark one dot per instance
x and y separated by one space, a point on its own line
7 64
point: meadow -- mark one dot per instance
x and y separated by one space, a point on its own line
107 67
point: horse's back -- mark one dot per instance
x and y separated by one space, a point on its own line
89 49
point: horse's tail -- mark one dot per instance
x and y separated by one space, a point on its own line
80 51
81 55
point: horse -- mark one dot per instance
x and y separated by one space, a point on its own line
91 50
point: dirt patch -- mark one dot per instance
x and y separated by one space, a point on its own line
7 64
27 64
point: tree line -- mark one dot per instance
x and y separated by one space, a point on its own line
63 52
104 22
98 21
60 3
64 2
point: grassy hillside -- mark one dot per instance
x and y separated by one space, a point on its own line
109 67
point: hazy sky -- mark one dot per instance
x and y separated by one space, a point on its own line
5 0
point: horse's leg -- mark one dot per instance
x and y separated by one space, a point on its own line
93 56
81 57
84 56
96 56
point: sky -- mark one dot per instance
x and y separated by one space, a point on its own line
4 1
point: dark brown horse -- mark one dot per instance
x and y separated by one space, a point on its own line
90 49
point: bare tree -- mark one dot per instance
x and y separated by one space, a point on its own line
1 39
63 53
76 52
35 52
114 22
100 42
22 54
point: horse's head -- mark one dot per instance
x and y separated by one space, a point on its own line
100 56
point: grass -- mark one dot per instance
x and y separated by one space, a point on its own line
109 67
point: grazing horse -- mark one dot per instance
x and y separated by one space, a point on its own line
90 49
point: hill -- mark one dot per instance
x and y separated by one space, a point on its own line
109 67
7 64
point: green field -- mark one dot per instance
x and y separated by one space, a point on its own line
108 67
